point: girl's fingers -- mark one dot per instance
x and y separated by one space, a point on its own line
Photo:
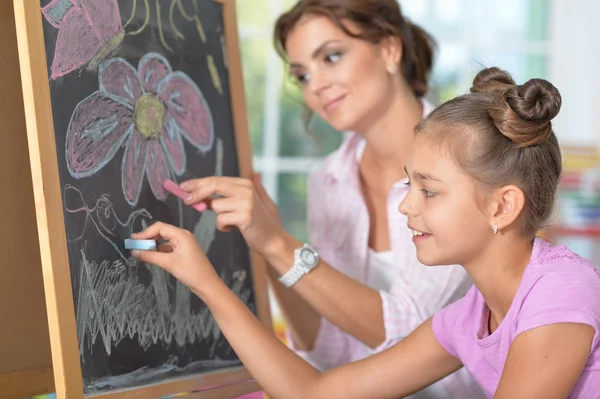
159 259
165 248
158 230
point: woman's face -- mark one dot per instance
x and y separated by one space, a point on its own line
346 81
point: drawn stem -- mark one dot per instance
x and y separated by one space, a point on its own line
141 29
160 29
172 21
133 10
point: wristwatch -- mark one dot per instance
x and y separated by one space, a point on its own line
305 259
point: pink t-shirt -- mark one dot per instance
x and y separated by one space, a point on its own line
558 286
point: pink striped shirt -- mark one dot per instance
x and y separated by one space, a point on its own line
338 221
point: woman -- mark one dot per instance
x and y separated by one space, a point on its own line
363 68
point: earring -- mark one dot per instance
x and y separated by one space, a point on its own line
392 70
495 228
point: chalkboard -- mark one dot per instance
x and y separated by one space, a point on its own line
137 92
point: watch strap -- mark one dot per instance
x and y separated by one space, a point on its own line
292 276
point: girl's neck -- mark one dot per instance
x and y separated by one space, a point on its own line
498 271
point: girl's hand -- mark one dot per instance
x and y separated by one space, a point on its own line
237 205
181 256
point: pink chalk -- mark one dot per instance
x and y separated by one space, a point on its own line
174 189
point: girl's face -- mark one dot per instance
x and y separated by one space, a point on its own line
448 226
344 80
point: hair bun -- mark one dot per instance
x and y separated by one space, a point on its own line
492 79
536 101
522 113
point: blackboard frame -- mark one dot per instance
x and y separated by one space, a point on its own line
51 228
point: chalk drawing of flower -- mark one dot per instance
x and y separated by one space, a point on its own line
89 31
149 111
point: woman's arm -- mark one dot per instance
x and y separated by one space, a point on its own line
331 293
352 306
302 321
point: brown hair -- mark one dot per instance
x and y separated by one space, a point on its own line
500 133
377 19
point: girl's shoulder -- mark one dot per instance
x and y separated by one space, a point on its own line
548 258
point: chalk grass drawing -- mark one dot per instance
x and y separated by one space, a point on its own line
90 31
112 304
103 217
149 111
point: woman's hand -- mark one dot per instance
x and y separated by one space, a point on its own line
181 256
268 203
237 204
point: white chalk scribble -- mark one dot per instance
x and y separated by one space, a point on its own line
112 304
105 220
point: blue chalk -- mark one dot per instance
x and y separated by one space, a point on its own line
144 245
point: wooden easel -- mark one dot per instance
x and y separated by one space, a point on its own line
36 254
25 360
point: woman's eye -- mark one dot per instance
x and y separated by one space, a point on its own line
301 79
333 57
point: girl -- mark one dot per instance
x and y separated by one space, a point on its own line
363 68
483 172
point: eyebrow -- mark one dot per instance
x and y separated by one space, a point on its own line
316 53
424 176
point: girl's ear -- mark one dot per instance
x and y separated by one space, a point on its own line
507 204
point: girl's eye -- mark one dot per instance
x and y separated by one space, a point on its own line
428 194
407 183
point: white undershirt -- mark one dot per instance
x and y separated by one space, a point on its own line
382 270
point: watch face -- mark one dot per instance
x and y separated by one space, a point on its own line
308 257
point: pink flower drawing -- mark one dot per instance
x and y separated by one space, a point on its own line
149 111
89 31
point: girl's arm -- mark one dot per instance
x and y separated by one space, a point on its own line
415 362
546 362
